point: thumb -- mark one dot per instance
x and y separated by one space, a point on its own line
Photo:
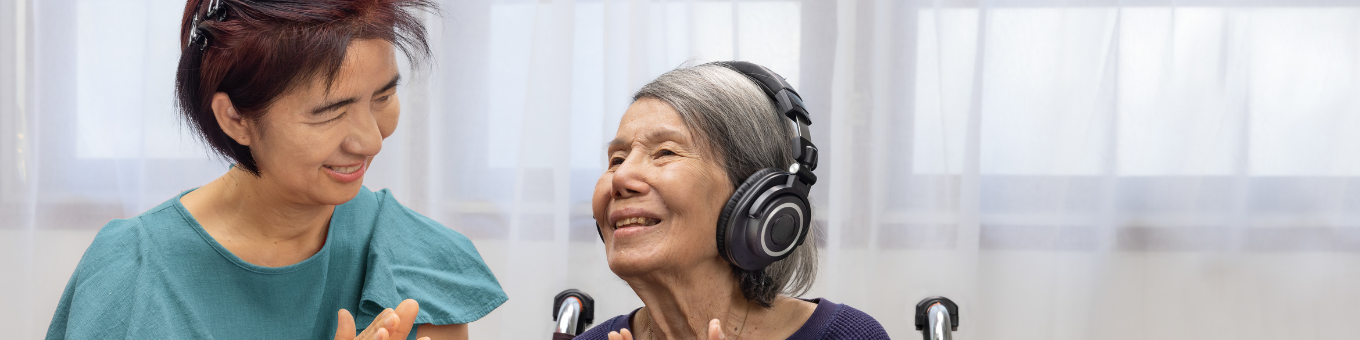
344 326
715 330
407 311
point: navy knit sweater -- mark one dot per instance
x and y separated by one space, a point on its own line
831 321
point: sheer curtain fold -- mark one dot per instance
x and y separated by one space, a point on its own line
1062 169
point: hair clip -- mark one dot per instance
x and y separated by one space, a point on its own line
217 9
195 37
202 45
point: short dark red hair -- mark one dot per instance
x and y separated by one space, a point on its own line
263 48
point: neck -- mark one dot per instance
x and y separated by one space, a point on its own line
680 303
257 222
262 211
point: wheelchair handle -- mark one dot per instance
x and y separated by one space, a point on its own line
568 315
937 317
575 311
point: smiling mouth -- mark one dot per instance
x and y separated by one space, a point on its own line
636 222
344 169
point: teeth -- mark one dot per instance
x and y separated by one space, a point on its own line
344 170
636 220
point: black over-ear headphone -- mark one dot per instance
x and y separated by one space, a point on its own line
769 215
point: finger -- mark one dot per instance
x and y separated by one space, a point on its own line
344 326
715 330
383 318
424 338
407 311
615 336
626 334
381 335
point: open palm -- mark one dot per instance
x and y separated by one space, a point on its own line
390 324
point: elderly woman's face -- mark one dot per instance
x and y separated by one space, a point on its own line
315 145
657 205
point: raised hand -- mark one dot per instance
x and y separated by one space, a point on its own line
626 335
715 330
388 325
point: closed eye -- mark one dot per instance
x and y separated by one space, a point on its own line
337 117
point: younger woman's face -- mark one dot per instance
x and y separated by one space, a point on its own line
314 144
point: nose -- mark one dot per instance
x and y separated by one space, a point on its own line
365 137
630 178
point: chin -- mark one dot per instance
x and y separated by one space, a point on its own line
337 194
630 262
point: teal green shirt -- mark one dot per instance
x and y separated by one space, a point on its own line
160 276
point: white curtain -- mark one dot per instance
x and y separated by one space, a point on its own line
1062 169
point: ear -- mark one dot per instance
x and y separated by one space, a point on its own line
233 124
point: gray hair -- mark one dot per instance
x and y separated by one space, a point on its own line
732 115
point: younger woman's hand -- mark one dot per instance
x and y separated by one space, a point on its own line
388 325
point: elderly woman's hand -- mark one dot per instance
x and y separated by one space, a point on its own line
626 335
390 324
714 332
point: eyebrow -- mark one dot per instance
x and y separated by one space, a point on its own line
341 103
655 135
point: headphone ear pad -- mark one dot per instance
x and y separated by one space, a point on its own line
735 206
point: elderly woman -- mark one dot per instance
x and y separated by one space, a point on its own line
288 244
703 210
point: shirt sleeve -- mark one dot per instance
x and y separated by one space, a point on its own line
95 302
414 257
115 293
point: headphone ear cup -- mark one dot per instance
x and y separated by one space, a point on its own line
749 187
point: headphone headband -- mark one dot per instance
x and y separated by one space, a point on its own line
790 105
